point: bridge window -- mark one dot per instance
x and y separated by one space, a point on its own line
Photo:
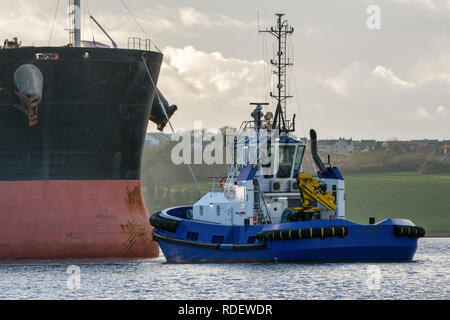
286 159
298 160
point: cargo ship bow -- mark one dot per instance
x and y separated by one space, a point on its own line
73 121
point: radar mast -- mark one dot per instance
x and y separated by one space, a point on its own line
281 62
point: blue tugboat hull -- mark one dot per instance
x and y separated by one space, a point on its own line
308 241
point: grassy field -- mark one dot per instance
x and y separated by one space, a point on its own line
424 199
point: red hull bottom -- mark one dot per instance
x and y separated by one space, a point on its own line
74 219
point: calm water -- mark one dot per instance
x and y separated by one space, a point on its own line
427 277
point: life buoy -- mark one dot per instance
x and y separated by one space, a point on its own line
221 181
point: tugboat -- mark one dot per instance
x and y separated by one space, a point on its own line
271 211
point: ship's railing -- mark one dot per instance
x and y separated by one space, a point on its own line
265 124
139 44
216 184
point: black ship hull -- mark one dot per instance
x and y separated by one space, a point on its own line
72 166
92 119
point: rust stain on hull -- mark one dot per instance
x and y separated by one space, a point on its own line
29 106
134 233
134 200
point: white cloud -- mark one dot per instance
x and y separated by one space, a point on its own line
360 75
444 76
210 69
191 17
360 98
357 83
363 99
431 4
210 87
340 83
440 109
30 24
386 73
423 112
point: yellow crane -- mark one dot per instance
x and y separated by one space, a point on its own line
311 190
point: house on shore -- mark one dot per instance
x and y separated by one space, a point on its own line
340 146
364 145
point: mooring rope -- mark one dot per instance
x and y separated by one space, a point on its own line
139 25
53 25
170 124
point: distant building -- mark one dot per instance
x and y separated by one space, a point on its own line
341 145
434 147
156 138
346 146
364 145
446 147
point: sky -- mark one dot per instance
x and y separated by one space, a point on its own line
391 82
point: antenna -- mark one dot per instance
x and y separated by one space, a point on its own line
257 17
281 31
